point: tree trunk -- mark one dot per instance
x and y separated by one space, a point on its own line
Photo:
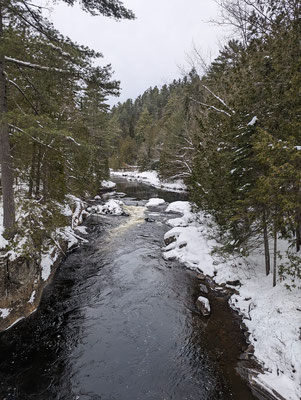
275 258
32 170
266 246
38 172
7 176
298 232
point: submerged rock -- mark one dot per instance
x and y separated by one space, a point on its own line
203 288
201 276
203 306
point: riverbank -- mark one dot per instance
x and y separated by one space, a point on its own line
270 315
24 277
151 178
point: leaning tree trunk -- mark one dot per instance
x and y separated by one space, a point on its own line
7 176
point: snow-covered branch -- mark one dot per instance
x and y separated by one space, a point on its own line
209 106
23 93
218 98
16 128
34 66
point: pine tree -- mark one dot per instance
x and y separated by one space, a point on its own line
14 14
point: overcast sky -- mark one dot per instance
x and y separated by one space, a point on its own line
147 51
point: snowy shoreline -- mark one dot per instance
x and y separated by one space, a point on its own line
22 303
151 178
271 315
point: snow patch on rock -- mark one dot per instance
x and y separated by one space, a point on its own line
32 297
203 305
154 202
112 207
4 312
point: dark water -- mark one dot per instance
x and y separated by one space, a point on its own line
119 323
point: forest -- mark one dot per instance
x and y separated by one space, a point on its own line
222 144
231 130
53 119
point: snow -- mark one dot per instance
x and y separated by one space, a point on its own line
205 302
32 297
73 140
112 207
154 202
108 184
181 207
191 248
34 66
82 229
4 312
151 178
272 315
253 121
47 260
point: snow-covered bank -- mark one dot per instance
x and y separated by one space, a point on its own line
24 277
271 315
151 178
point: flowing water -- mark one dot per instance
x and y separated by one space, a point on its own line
120 323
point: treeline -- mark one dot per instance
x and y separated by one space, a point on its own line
53 114
232 132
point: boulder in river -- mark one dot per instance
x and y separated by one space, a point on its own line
203 306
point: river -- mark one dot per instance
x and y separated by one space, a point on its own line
119 323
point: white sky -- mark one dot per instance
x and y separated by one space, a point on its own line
149 50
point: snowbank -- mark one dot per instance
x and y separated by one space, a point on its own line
272 315
154 202
151 178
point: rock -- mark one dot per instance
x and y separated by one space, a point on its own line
169 240
201 276
203 306
203 288
233 283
